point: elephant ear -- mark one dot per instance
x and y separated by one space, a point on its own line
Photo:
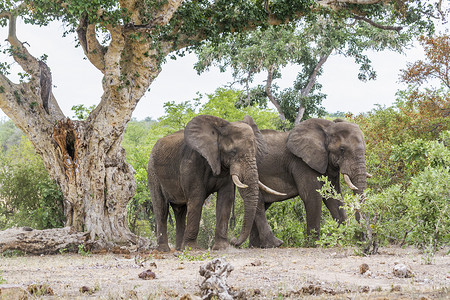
201 134
260 141
308 141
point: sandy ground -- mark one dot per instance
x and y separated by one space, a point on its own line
258 274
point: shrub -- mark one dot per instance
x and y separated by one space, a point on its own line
29 196
287 220
428 202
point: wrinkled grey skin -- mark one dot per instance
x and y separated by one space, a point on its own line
186 167
295 159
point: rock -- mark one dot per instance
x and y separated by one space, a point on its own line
147 275
256 263
317 288
363 268
402 271
368 274
86 290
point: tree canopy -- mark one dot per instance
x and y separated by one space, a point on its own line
307 43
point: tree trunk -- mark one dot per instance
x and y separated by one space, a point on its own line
86 157
311 82
270 95
96 181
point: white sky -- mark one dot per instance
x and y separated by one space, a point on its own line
76 81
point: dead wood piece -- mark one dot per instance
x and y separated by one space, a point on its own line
215 286
48 241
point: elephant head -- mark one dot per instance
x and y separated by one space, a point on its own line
231 148
331 147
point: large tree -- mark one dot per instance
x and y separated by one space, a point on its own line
307 46
128 40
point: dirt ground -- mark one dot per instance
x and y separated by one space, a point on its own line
311 273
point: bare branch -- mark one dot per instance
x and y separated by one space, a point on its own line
37 91
335 3
270 95
440 10
19 52
313 76
160 17
380 26
311 82
94 51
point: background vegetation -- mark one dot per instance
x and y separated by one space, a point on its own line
408 152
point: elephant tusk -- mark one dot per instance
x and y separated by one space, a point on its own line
368 175
349 182
267 189
237 182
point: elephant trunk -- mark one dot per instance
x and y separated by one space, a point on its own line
358 177
250 194
355 174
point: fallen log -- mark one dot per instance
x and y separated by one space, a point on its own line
47 241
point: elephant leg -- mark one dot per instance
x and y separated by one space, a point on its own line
254 240
336 206
224 203
263 236
336 209
313 209
194 213
161 211
180 221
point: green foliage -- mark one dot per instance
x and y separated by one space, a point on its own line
415 156
12 253
30 197
206 234
223 104
82 112
287 220
415 212
138 147
306 44
397 143
10 135
82 251
428 201
187 256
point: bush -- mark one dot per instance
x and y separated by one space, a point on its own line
428 202
287 220
29 196
415 212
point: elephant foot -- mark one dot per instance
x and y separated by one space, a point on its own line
266 242
190 245
272 242
220 245
163 248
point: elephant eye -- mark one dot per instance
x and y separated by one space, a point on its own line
232 152
342 150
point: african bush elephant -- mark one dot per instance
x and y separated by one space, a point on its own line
295 159
187 166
